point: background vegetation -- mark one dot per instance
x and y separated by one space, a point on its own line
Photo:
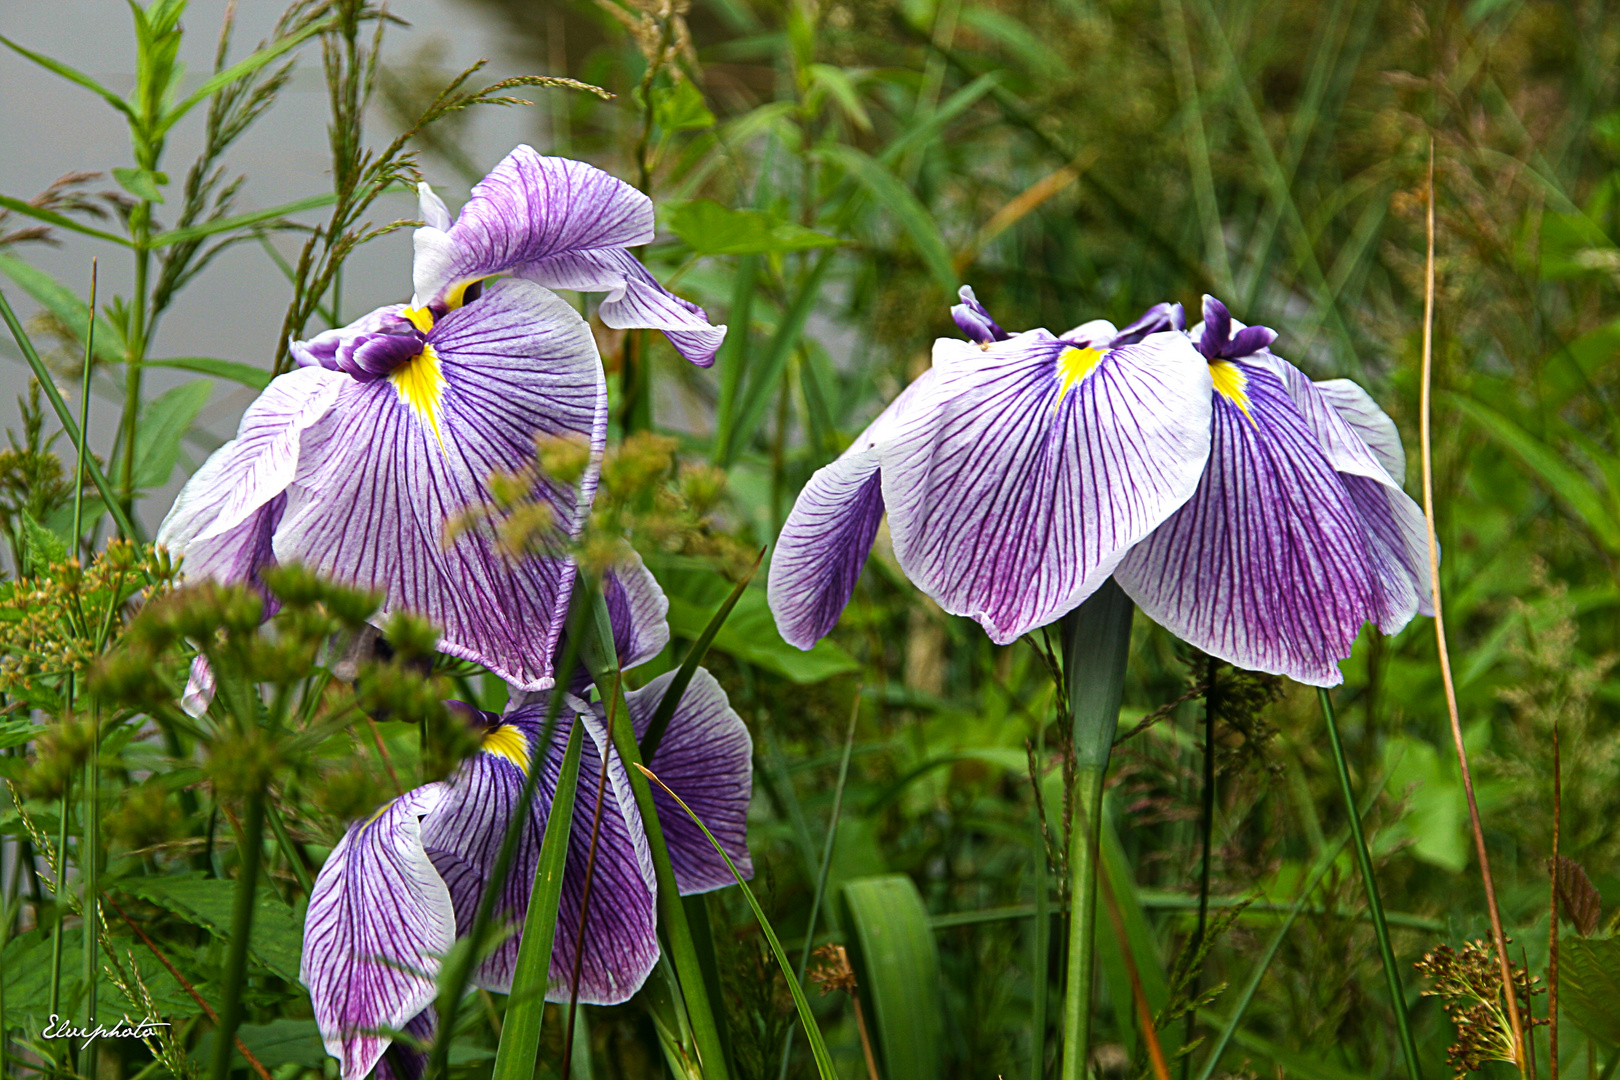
827 174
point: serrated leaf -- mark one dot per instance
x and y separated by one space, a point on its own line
246 374
1582 903
41 547
141 183
1589 986
896 963
66 305
277 939
164 423
711 229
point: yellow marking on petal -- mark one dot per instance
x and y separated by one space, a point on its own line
419 317
458 292
420 385
381 810
1074 364
1233 385
510 743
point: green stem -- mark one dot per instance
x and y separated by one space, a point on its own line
247 886
1040 938
1375 906
289 849
596 649
84 414
1096 644
1207 830
90 865
61 905
141 222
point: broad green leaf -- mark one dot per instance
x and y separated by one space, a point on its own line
141 183
246 374
164 423
898 200
1562 478
17 731
681 108
1589 989
277 938
66 306
25 971
711 229
896 961
280 1042
41 547
61 221
1436 816
750 635
241 68
241 221
60 520
71 74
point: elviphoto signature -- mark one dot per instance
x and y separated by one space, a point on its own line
124 1029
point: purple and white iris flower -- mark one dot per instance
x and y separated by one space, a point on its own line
401 887
354 463
1256 514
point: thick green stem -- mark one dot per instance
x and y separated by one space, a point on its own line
1096 643
1375 905
247 887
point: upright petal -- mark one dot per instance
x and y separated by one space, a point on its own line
1267 566
250 470
706 757
827 536
200 687
528 208
398 458
638 611
635 300
974 321
1032 467
379 922
463 838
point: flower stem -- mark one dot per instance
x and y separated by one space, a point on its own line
247 889
1207 830
61 909
1096 643
1375 905
90 852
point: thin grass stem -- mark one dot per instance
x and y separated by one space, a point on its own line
1206 836
1425 443
84 414
247 887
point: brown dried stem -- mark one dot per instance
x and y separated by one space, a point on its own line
1497 937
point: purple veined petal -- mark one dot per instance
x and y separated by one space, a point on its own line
828 534
1268 565
621 944
1156 319
405 1062
252 469
239 554
1344 446
638 611
974 321
1026 474
384 473
379 922
200 686
322 349
1358 410
635 300
1221 337
528 208
706 757
1096 334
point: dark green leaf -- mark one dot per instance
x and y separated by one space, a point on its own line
71 74
711 229
246 374
277 940
16 732
887 190
896 965
1589 986
41 547
164 423
61 221
280 1042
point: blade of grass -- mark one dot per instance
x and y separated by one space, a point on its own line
818 1047
84 414
1206 835
762 383
1425 443
1375 905
1552 922
517 1056
1192 125
64 416
826 866
1144 1012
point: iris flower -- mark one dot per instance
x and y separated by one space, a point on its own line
354 463
399 888
1255 514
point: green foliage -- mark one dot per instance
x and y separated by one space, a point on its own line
896 967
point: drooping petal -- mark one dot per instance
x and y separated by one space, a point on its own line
250 470
1032 467
706 757
527 209
1268 565
379 922
464 836
1371 423
403 1061
397 458
637 609
635 300
827 536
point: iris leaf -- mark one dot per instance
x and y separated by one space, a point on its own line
897 969
246 374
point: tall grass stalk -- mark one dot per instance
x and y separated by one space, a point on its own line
247 891
1426 447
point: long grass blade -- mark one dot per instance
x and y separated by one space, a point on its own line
515 1059
818 1047
1426 447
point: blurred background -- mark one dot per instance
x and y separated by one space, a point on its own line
1070 159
